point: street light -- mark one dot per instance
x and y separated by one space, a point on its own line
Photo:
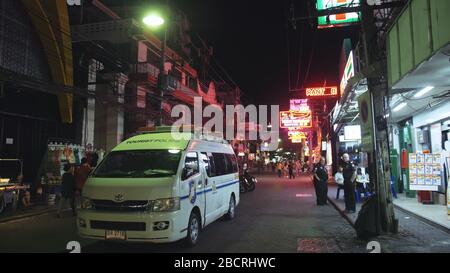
154 20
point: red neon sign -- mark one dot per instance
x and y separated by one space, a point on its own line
322 92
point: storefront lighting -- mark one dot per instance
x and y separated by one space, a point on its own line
423 91
400 107
174 151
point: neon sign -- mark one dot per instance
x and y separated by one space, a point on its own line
295 119
299 105
296 136
322 92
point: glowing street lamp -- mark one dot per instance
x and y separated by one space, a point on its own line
153 20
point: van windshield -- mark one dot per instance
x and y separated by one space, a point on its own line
138 164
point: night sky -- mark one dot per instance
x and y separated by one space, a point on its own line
250 41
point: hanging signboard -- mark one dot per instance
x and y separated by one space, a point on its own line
365 113
425 172
322 92
296 136
299 105
295 119
337 20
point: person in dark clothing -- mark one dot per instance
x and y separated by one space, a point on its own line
291 170
321 182
68 189
349 188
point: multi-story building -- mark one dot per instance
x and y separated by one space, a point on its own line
126 72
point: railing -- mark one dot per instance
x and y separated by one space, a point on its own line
145 68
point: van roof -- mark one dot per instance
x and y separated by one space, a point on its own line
154 141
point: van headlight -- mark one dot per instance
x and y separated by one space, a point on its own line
86 203
168 204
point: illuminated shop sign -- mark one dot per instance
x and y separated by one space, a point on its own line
349 72
337 20
295 119
296 136
320 92
299 105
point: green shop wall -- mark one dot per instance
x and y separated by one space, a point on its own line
420 31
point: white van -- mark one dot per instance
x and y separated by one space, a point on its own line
154 188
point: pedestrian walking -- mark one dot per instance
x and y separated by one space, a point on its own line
286 170
280 169
321 182
298 167
68 189
349 173
291 170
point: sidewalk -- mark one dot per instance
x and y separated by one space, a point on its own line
339 204
18 214
433 214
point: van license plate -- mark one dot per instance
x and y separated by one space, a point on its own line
115 235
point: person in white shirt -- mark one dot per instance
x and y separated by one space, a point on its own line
339 176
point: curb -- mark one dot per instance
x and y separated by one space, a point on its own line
423 219
28 215
341 212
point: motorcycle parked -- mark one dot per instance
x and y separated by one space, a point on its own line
247 182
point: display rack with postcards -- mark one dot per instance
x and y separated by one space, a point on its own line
425 172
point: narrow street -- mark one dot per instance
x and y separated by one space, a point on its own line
280 216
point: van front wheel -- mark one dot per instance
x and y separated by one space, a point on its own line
193 230
231 209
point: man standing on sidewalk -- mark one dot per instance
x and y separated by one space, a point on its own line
321 182
349 190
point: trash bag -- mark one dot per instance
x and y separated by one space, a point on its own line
366 223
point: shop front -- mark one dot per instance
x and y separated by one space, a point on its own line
419 118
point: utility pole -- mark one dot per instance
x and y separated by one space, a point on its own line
162 82
377 88
163 77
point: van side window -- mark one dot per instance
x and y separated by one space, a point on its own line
220 163
209 164
233 161
212 166
190 165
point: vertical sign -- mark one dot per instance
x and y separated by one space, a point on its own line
349 72
365 113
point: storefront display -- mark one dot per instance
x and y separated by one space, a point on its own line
425 172
58 154
10 186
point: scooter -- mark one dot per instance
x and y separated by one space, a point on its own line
247 182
